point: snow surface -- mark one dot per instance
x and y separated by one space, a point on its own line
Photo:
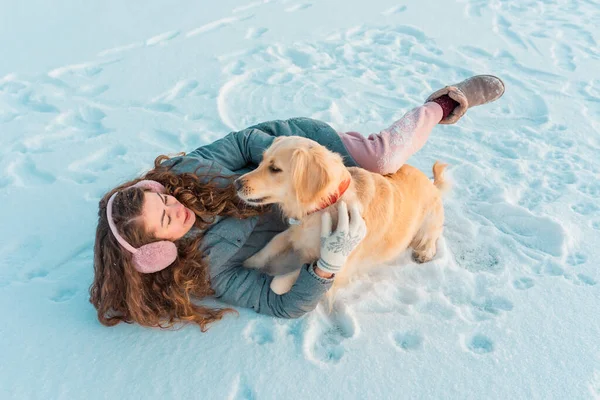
91 92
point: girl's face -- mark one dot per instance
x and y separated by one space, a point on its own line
165 217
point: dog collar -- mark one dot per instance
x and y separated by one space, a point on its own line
328 201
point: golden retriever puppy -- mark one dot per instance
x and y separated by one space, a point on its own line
304 179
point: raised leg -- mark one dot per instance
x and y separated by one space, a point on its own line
385 152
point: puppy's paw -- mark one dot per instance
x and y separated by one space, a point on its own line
423 257
282 284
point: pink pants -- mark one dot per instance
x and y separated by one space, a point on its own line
386 151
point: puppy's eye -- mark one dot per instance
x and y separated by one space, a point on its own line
274 169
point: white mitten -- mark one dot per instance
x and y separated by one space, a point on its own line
336 246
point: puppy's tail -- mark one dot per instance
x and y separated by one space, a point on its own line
438 177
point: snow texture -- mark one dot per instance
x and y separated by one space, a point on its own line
90 93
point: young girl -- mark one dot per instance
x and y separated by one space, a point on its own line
179 233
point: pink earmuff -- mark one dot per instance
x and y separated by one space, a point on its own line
152 257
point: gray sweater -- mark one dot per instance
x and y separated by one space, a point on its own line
230 241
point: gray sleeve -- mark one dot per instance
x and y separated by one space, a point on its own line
239 149
249 288
236 150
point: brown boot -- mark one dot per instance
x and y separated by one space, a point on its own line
475 91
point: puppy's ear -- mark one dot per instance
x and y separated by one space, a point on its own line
310 175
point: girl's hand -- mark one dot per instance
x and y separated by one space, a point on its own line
336 246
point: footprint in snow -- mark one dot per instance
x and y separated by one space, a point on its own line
590 188
523 283
581 280
480 344
241 390
259 332
63 295
408 341
36 274
329 334
37 103
586 208
577 258
491 307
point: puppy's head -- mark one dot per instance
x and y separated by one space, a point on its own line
295 173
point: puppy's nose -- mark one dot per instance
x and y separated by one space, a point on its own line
238 184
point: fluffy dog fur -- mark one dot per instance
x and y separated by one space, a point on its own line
401 210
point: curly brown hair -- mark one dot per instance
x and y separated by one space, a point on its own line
165 298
